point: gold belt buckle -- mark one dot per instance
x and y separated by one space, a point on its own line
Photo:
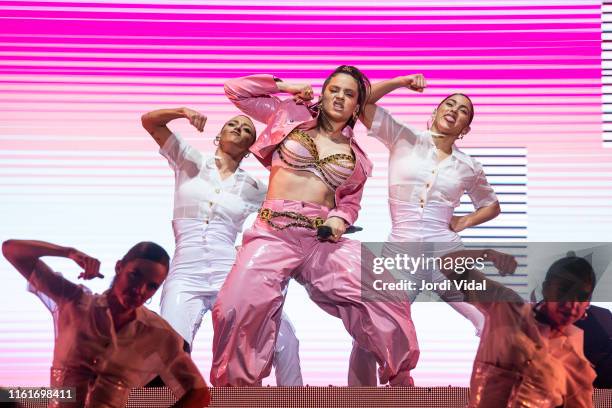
265 214
317 222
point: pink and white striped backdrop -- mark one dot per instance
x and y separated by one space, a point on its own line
76 168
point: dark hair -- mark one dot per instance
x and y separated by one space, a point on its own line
363 86
466 97
147 250
571 268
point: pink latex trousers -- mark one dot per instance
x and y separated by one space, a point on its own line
246 316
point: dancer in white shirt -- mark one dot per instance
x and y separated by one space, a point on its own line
213 197
428 175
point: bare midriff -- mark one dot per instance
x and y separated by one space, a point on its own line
299 185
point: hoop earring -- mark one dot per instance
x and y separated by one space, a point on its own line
148 302
431 119
216 141
585 315
246 155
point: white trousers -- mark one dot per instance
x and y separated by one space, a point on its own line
184 307
413 223
202 259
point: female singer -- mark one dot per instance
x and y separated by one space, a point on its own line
317 175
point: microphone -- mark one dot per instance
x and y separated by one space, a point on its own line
324 231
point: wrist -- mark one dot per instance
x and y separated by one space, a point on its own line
282 86
340 219
468 221
400 82
67 252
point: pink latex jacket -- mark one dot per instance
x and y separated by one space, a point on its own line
253 95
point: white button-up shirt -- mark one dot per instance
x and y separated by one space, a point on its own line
415 174
208 214
102 364
200 193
